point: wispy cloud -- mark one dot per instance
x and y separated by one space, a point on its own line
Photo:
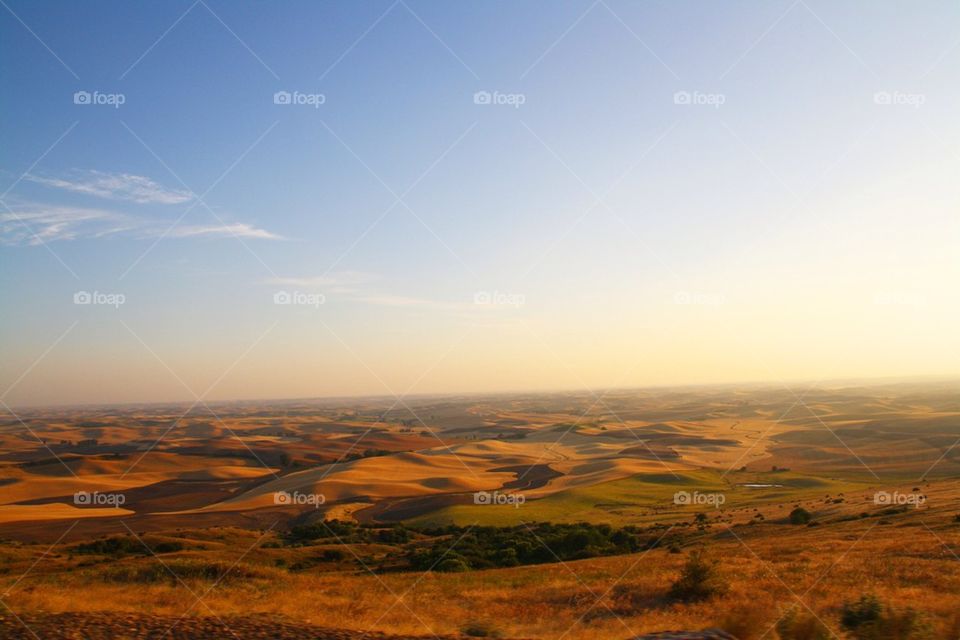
34 224
237 229
115 186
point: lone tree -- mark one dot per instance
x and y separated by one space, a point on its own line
800 516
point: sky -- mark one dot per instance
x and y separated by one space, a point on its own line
215 200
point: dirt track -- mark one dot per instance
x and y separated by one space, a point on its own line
129 626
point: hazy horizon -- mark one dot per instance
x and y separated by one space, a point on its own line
795 386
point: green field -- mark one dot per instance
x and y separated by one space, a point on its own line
647 498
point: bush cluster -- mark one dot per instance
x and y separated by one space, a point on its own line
124 546
338 531
461 549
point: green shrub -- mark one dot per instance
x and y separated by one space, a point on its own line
152 572
452 565
864 611
333 555
800 516
699 579
869 619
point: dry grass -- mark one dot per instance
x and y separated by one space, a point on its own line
769 569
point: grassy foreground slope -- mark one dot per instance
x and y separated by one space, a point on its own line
907 557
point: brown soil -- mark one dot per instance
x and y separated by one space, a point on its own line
127 626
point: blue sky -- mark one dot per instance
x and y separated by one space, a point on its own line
807 217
